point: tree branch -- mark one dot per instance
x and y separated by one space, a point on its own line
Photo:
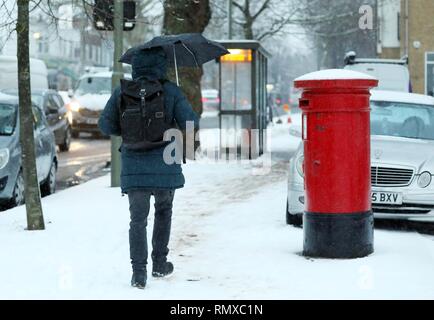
261 10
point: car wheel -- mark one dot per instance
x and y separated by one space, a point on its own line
96 135
18 192
75 134
295 220
67 141
49 185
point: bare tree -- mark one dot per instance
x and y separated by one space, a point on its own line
255 19
186 17
145 23
35 219
271 16
16 19
338 30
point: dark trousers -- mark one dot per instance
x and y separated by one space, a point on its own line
139 209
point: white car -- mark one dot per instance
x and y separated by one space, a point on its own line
88 100
9 73
402 160
393 75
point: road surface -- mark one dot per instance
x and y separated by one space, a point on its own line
87 159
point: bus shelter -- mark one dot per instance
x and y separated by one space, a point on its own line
243 98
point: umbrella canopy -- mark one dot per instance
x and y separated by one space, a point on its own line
185 50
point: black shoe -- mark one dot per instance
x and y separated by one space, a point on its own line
139 279
162 269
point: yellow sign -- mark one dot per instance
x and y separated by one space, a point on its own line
238 55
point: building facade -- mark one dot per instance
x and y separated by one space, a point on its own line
67 47
389 38
406 28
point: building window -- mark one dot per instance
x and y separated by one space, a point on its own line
429 73
399 26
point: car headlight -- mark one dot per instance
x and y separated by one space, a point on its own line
4 157
299 165
74 106
424 179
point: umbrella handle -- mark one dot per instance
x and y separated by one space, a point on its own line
176 66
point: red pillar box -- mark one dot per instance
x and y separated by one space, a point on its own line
338 221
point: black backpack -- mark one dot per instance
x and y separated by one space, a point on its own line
143 117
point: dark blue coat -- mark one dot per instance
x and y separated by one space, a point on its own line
147 169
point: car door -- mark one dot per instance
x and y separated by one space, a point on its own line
51 110
62 115
43 144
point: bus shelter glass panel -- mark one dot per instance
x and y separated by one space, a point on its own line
236 81
234 132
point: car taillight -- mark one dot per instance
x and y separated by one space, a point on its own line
204 99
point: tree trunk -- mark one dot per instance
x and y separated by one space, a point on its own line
248 29
188 16
35 219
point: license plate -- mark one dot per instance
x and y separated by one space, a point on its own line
386 197
92 121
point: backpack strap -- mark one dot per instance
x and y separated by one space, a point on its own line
120 104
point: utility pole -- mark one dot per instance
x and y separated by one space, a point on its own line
82 24
229 19
118 18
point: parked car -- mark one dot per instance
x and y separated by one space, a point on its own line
51 103
210 102
393 75
88 100
402 159
11 176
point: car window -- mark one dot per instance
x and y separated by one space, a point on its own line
211 94
38 117
93 85
38 99
8 119
51 104
402 120
57 100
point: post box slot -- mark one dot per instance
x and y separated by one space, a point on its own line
304 103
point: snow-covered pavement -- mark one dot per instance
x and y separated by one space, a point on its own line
229 241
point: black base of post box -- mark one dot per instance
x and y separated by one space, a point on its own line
338 236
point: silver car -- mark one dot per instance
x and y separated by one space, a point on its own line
11 175
402 160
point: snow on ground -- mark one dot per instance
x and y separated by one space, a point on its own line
229 241
278 137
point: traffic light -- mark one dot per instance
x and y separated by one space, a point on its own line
103 12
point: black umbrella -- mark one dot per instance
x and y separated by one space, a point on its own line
185 50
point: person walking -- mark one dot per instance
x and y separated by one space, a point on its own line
151 98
